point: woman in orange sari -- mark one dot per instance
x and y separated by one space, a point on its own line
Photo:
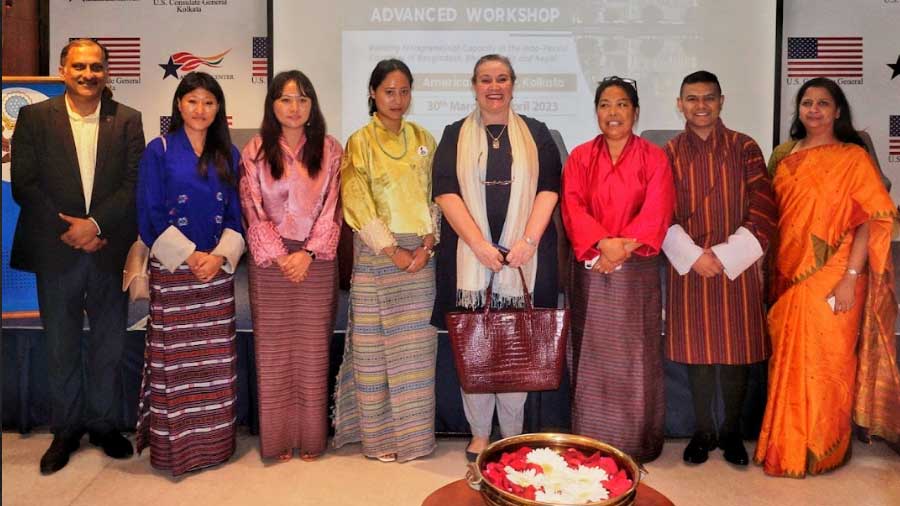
832 322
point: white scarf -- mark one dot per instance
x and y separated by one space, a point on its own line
471 167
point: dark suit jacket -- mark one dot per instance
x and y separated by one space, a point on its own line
46 181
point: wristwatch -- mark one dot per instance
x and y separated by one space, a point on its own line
312 254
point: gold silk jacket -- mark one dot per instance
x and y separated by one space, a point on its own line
386 183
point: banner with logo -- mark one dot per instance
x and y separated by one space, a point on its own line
153 44
19 290
856 44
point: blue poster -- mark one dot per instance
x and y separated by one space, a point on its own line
19 291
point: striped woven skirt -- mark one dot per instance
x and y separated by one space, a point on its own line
292 328
385 391
616 367
187 404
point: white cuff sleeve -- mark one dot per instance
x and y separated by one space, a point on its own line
230 247
738 252
172 248
99 232
377 236
680 249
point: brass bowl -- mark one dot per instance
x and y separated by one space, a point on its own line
493 496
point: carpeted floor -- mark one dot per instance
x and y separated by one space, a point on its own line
343 477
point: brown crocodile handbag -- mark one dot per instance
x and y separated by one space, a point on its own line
509 350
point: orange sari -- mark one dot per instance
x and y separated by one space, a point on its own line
823 195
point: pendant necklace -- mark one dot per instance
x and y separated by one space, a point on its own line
495 141
402 155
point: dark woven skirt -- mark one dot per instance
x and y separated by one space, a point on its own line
187 405
292 328
616 367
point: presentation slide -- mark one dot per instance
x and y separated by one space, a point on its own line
559 50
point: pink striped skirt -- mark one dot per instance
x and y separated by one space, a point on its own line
292 328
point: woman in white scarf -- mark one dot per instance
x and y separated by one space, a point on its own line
496 179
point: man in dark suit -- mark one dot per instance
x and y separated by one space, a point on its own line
74 171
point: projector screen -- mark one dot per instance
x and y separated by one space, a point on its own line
559 50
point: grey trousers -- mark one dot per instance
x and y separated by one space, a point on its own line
479 409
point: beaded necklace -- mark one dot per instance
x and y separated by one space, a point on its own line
405 147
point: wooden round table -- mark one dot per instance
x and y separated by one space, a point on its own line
459 493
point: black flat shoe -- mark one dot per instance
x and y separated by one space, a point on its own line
697 451
57 456
735 451
114 444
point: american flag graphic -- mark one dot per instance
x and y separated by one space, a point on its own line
260 62
124 55
825 57
894 135
165 123
189 61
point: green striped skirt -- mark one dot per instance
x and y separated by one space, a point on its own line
385 388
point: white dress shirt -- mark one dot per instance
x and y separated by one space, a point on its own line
85 130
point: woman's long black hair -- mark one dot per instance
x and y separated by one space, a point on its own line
843 124
270 130
217 147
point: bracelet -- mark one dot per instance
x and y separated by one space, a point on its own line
852 272
312 254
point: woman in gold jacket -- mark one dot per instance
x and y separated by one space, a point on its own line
385 390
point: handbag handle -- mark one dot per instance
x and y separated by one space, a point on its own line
490 291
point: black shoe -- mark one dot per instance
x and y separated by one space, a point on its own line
57 456
698 449
735 452
114 444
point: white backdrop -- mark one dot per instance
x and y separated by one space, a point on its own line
861 39
213 37
559 48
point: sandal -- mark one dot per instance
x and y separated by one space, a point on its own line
309 457
286 456
480 443
390 457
